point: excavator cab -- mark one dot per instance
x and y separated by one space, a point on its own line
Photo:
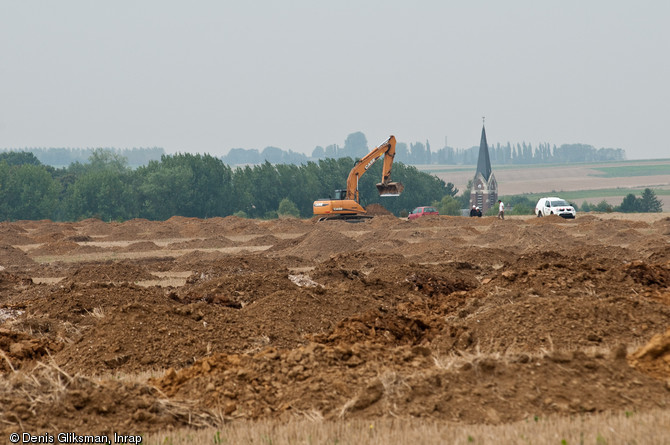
340 194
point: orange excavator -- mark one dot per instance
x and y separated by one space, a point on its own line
346 204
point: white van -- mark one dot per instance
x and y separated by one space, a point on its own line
554 206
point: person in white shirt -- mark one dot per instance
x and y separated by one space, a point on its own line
501 210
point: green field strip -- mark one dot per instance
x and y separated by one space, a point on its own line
634 170
614 169
597 193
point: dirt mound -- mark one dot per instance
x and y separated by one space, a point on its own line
209 243
197 259
234 290
550 219
79 238
94 227
11 257
288 225
377 210
54 247
48 231
237 225
110 271
13 235
321 244
141 246
458 319
263 240
654 357
20 350
48 396
10 282
369 381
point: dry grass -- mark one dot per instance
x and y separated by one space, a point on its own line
47 383
617 428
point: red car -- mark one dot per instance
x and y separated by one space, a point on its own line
423 211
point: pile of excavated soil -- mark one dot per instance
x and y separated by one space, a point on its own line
321 244
20 350
654 357
208 243
13 257
369 381
470 320
110 271
377 210
59 246
13 235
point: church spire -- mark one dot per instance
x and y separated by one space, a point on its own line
484 163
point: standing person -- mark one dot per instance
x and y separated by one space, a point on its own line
473 211
479 212
501 210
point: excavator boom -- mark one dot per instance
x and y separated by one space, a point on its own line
386 187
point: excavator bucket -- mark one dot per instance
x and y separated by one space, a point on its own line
390 189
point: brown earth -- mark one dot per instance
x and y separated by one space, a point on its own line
469 320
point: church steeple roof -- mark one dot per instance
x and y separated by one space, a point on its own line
484 162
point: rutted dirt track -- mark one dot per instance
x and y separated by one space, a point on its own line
463 319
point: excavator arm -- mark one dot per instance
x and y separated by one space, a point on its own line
346 204
386 187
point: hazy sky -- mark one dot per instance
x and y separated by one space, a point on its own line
208 76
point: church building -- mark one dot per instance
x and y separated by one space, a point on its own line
484 193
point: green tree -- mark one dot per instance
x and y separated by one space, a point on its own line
27 191
585 207
649 202
448 205
518 205
603 206
19 158
630 204
299 184
164 189
287 208
451 190
104 194
188 185
522 209
465 196
102 159
243 191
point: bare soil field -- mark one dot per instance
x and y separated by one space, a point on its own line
147 326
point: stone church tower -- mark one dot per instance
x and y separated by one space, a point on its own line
484 193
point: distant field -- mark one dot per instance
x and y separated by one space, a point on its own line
600 193
635 170
591 182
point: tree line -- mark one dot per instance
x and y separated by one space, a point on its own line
64 156
522 153
190 185
356 146
418 153
647 202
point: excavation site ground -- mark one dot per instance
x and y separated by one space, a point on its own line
147 326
